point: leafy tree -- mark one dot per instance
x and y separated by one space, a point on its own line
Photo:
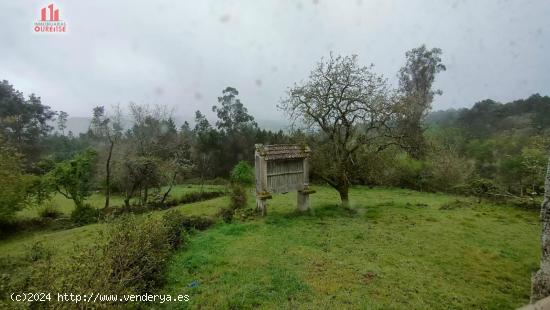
206 146
23 122
415 84
446 170
73 178
14 183
236 130
533 162
62 121
352 107
180 163
137 175
232 115
242 174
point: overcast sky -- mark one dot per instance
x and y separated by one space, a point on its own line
183 53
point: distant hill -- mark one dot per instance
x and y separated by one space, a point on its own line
488 116
80 125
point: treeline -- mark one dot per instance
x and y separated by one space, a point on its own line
492 148
141 163
489 118
361 131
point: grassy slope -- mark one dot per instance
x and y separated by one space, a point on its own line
66 206
388 255
64 240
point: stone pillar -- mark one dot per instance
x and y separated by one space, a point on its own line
306 172
303 194
540 287
261 206
303 201
261 181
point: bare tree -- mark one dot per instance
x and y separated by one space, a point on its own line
351 107
179 164
108 129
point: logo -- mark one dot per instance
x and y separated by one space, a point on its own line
49 21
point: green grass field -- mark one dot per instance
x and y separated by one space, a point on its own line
397 249
64 240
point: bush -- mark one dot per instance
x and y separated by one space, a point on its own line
191 223
480 187
174 220
38 252
49 211
199 196
246 214
227 214
85 215
130 257
242 173
238 197
136 254
237 202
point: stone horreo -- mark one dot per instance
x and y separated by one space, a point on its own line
280 169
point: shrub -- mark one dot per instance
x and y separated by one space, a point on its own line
136 253
246 214
38 252
237 201
227 214
85 214
191 223
49 211
238 197
199 196
242 173
130 257
174 221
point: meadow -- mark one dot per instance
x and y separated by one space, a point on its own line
393 249
396 249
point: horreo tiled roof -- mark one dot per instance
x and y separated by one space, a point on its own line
282 151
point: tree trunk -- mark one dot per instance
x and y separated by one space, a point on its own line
145 195
342 186
344 196
129 194
108 175
540 287
169 188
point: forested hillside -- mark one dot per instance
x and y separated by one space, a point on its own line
507 142
489 118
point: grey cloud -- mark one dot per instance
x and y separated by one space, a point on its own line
183 53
